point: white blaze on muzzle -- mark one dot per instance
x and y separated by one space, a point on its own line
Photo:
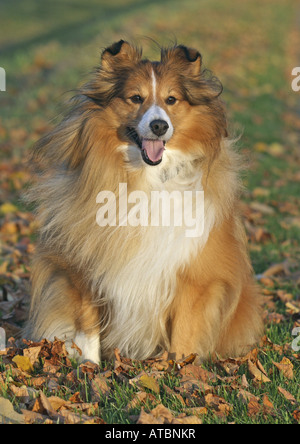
154 113
154 144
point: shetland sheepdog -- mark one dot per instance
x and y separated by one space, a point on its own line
107 282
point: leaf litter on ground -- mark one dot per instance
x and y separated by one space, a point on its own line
40 384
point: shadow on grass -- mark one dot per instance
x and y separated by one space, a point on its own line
75 32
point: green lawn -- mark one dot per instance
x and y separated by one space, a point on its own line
48 48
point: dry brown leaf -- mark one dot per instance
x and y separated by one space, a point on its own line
245 397
171 392
262 208
288 396
218 404
286 367
70 417
7 413
160 411
75 397
276 269
268 407
193 419
197 372
137 400
148 418
31 417
260 367
188 384
75 347
56 402
244 381
32 353
98 388
23 394
257 374
197 411
254 407
296 415
47 407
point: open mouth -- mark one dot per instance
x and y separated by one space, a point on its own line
152 149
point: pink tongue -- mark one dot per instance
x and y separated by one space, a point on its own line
153 148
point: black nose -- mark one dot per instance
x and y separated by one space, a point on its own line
159 127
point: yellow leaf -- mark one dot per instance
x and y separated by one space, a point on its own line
23 363
8 208
261 147
276 149
149 383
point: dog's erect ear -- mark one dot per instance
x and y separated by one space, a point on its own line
189 59
119 52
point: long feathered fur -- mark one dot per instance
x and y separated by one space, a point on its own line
141 289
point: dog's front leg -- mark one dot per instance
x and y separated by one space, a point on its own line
197 319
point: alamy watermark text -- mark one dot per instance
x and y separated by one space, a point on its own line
160 208
2 79
296 80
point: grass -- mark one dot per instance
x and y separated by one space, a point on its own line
47 49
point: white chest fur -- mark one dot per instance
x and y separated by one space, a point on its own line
140 294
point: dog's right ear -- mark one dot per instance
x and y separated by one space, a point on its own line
118 53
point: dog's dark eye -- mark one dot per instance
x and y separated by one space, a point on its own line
136 99
171 100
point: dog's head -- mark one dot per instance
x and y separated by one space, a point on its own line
171 104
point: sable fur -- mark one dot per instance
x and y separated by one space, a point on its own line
142 289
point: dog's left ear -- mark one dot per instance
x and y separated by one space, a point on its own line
189 59
118 53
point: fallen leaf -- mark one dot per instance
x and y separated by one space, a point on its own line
197 372
262 208
292 309
221 407
183 362
253 407
138 399
7 208
46 404
75 347
7 413
276 149
277 269
23 363
56 402
31 417
257 374
286 367
181 419
23 394
245 397
288 396
268 407
296 415
70 417
160 411
197 411
99 388
172 393
32 353
148 418
149 382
